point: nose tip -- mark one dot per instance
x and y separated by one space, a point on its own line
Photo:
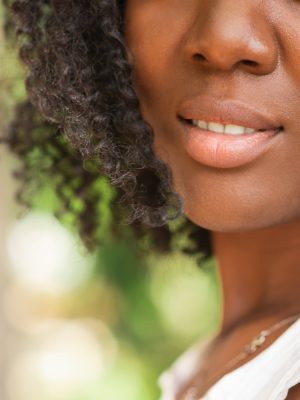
235 41
223 55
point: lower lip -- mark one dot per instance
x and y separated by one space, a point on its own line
226 151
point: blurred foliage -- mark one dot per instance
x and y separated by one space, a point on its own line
155 306
11 78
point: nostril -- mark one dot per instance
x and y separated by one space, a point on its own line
250 63
199 57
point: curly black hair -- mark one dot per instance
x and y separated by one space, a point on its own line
81 82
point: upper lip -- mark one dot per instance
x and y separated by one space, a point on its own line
226 112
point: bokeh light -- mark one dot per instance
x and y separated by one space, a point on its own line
44 256
67 362
183 293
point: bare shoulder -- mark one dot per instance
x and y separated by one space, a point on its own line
294 393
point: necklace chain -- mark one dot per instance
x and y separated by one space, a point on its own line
247 350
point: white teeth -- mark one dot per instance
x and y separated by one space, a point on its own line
214 127
220 128
201 124
234 129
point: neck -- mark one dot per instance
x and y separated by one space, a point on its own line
259 272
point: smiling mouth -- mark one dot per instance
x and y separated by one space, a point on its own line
226 133
226 146
227 116
224 129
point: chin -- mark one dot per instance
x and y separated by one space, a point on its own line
220 219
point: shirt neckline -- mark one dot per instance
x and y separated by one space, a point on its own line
170 379
258 357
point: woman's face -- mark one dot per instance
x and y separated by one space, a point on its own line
230 62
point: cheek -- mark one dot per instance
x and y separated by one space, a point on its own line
149 75
154 50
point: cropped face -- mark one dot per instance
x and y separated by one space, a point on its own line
219 82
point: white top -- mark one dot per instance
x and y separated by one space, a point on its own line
268 376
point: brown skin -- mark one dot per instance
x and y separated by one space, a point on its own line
253 212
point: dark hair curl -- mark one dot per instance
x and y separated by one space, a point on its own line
80 81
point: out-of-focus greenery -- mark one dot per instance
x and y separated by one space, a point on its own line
153 307
11 78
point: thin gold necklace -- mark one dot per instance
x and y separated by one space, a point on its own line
247 350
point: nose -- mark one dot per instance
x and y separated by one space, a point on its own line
233 34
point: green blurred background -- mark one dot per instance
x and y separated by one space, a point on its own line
84 326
